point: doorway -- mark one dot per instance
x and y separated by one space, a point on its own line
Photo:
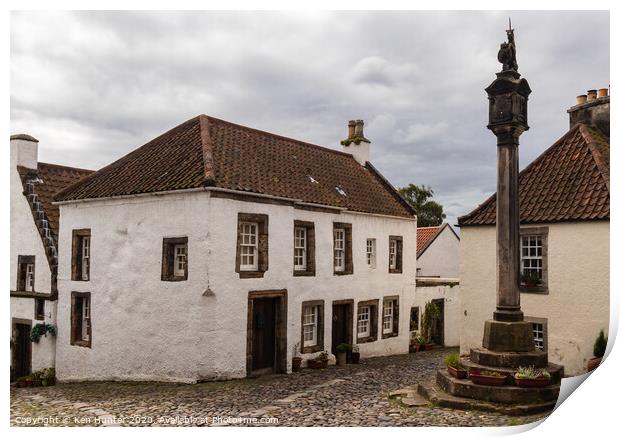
266 336
342 323
437 334
21 364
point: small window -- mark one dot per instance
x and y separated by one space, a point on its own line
39 309
312 326
249 246
25 273
533 251
395 254
303 248
363 322
343 249
367 321
300 249
371 253
252 245
390 317
81 326
339 253
81 251
174 261
539 332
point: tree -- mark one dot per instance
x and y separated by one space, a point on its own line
430 213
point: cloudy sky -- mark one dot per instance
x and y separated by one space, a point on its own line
92 86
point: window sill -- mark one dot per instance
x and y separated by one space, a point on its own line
342 273
311 349
395 271
81 343
369 339
80 280
303 273
21 293
174 278
538 289
390 335
250 274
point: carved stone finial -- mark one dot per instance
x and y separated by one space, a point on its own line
507 54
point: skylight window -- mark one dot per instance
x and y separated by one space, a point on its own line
314 181
341 191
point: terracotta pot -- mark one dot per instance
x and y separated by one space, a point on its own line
428 346
593 363
296 364
28 383
538 382
457 373
341 357
487 379
355 357
315 364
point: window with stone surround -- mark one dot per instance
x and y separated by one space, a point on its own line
390 317
312 326
303 248
25 273
343 249
395 254
174 259
539 331
252 256
367 321
371 252
533 259
81 255
81 321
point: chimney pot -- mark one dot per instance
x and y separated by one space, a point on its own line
351 129
359 128
581 99
603 92
591 95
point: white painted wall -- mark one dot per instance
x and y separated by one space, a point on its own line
441 258
144 328
25 240
577 306
452 307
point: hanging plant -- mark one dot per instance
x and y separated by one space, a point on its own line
41 329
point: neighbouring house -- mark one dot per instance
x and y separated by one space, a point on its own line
34 252
218 251
437 282
564 243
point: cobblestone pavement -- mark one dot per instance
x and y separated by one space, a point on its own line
353 396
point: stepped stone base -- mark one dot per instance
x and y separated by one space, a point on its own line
556 372
511 360
437 396
508 336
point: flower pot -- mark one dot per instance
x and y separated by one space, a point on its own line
478 378
593 363
428 346
28 383
315 364
537 382
355 357
458 373
341 358
296 364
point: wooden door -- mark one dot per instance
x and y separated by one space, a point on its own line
22 352
341 321
438 324
264 335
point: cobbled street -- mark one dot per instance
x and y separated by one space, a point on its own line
352 396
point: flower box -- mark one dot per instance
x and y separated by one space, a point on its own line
458 373
316 364
536 382
479 378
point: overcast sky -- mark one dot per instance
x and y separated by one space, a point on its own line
92 86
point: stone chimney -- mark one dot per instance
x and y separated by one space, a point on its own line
356 144
24 151
592 108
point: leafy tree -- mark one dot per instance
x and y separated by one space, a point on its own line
430 213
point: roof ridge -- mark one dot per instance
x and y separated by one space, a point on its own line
303 143
68 167
596 154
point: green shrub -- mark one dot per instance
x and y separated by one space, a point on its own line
344 347
453 360
600 345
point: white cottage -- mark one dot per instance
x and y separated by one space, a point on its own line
564 209
437 281
215 251
34 243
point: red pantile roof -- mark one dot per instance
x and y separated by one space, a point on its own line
206 151
568 182
53 179
426 236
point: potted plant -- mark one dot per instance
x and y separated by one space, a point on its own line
296 358
530 280
355 354
431 314
599 351
532 377
41 329
453 362
36 378
341 353
48 376
21 381
319 362
420 342
28 381
486 377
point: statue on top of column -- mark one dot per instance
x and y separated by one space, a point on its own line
507 54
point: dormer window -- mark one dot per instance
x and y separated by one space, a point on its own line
341 191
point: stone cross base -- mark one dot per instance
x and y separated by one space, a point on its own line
508 336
